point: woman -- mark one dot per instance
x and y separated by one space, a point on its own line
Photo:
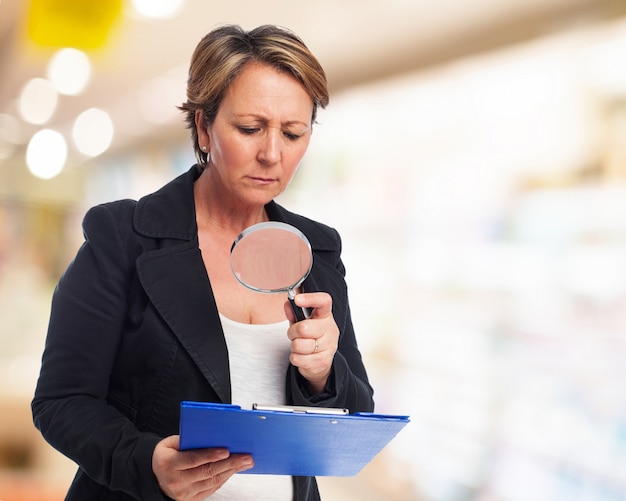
149 313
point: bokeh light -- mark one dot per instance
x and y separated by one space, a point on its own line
38 101
46 154
69 70
157 8
93 132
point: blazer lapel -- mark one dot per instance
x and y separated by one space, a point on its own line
176 282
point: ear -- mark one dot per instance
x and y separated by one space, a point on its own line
201 129
199 120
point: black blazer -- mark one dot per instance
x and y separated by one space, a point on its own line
134 330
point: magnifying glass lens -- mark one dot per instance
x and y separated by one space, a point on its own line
272 257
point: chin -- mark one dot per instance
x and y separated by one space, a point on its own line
263 196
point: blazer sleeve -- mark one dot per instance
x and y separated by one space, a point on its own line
348 386
86 324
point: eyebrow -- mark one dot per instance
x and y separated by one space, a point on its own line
263 119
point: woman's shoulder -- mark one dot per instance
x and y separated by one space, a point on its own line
118 210
167 212
106 220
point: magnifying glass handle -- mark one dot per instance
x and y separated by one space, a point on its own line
300 313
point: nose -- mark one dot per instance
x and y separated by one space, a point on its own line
270 147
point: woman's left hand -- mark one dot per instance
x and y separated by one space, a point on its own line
314 340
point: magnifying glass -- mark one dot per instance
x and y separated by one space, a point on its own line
272 257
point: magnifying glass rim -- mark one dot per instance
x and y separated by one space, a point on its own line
275 225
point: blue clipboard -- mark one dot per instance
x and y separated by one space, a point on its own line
289 443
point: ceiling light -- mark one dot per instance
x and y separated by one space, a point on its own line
157 8
93 132
38 101
69 70
46 154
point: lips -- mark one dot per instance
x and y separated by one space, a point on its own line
263 180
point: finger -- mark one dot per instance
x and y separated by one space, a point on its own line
215 475
319 302
198 457
176 470
314 368
216 471
167 455
171 442
304 329
306 345
242 462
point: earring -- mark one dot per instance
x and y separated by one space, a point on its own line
204 149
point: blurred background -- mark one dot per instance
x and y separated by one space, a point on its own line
473 158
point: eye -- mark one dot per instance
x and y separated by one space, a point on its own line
248 131
292 136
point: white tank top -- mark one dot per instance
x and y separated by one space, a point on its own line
259 356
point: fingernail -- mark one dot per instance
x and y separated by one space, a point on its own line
247 462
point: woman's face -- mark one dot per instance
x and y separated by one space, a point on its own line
260 134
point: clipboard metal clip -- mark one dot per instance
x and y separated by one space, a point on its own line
298 409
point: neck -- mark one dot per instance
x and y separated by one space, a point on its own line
213 210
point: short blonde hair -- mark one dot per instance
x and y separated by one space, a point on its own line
222 54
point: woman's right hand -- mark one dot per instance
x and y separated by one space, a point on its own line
194 475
